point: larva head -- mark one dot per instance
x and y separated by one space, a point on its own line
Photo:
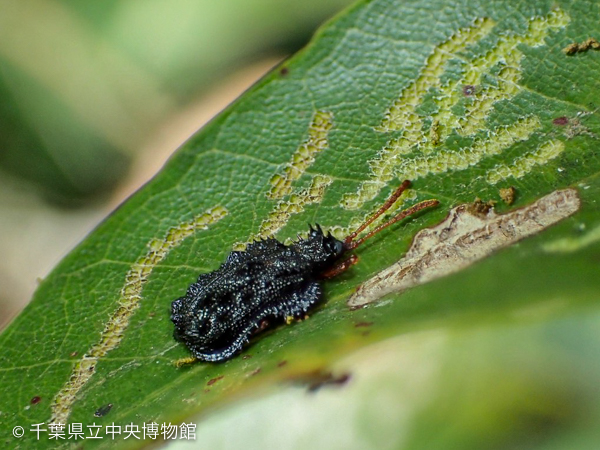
319 249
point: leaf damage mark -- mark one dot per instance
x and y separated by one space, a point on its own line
420 151
129 302
402 115
574 126
502 138
281 213
508 194
304 157
523 165
588 44
292 201
462 239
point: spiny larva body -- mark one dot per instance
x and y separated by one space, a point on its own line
268 281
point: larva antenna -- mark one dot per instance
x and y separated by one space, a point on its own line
350 243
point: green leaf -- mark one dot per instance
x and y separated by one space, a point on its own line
463 98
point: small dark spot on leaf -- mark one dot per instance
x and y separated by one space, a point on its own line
35 400
468 90
317 379
152 314
103 410
246 356
434 133
282 363
214 380
561 121
328 379
284 71
255 372
362 324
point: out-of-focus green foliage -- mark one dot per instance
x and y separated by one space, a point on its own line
84 84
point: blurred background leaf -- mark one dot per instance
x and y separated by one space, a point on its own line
83 85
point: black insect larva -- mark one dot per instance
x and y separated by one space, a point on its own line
267 281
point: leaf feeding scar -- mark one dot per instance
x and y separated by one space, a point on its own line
268 281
